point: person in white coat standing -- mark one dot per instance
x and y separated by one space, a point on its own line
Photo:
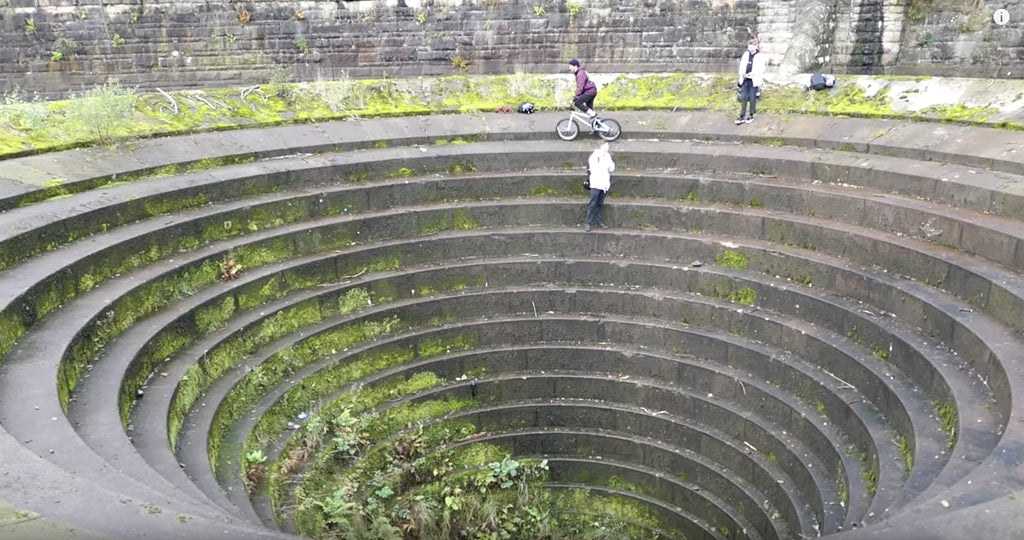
601 167
751 77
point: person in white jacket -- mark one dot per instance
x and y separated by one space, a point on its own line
751 77
601 167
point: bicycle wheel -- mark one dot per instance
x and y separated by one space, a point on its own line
567 130
610 130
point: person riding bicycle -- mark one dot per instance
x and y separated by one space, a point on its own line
586 90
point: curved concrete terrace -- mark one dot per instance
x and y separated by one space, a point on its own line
884 262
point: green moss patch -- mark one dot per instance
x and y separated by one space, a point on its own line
11 328
227 354
435 222
732 260
121 315
401 482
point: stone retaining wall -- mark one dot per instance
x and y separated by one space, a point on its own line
55 46
186 43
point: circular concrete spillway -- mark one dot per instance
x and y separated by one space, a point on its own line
377 329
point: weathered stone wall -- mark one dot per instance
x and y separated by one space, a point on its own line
194 43
53 46
952 38
962 40
949 38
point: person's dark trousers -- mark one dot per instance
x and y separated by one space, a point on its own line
585 102
594 208
748 93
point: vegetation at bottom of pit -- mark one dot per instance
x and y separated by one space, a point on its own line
333 421
113 112
471 491
370 473
503 498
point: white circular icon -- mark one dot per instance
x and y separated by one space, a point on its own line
1001 17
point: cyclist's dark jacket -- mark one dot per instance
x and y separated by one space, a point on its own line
583 83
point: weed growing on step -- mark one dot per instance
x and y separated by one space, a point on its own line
869 472
903 445
842 485
745 296
948 418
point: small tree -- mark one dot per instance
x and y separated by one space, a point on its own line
102 111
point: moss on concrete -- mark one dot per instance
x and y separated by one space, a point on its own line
229 352
213 315
121 315
434 222
390 97
11 328
732 260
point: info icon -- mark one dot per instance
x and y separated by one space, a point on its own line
1001 17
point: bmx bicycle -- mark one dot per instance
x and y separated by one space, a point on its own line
569 128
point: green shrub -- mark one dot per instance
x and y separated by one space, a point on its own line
103 111
19 113
339 95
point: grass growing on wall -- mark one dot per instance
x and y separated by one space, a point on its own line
30 126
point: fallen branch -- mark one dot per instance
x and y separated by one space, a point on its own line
844 383
250 90
221 103
204 100
174 103
343 279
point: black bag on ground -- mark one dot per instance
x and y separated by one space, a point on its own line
821 82
526 107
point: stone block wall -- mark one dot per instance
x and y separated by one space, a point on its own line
175 44
962 40
57 46
952 38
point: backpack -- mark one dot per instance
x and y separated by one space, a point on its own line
526 107
821 82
